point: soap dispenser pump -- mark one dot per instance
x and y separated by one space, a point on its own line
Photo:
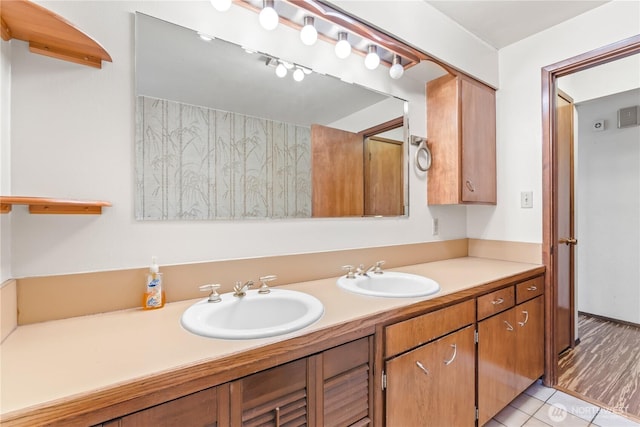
154 294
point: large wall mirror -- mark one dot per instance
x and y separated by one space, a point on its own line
220 136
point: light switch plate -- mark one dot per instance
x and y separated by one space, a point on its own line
526 199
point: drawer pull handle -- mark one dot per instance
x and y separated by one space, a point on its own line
526 318
532 288
497 301
509 327
421 366
455 352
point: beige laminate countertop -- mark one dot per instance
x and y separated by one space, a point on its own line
46 363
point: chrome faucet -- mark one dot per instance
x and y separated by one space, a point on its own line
240 290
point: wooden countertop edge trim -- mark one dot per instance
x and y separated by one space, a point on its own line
107 403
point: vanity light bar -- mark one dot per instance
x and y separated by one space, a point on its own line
361 35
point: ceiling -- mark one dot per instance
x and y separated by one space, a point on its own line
501 23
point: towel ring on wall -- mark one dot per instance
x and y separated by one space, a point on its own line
422 152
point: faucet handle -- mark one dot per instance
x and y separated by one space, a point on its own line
349 269
214 296
264 289
377 269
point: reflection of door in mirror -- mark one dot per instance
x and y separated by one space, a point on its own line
336 172
383 177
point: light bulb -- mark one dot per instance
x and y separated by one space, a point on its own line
372 60
308 33
205 37
343 48
397 70
268 16
281 70
221 5
298 75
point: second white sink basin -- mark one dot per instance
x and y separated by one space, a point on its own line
390 284
254 315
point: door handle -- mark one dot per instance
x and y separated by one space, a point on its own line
568 241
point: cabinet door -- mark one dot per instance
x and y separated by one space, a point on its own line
529 342
478 114
496 364
197 409
275 397
433 385
347 378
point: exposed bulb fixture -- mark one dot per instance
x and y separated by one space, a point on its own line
281 70
221 5
308 33
343 48
298 75
372 60
268 16
397 70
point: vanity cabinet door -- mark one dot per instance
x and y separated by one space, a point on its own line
433 385
275 397
529 343
347 380
496 364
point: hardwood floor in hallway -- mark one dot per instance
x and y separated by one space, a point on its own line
605 365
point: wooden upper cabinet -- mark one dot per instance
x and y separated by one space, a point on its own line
461 133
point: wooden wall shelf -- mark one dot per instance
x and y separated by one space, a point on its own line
49 34
42 205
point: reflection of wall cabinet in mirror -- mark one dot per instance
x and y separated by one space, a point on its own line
354 175
461 130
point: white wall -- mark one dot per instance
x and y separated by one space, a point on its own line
519 112
5 158
608 208
73 136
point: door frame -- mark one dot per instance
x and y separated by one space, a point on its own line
550 74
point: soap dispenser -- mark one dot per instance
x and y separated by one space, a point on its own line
154 294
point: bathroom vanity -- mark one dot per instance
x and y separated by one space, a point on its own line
367 361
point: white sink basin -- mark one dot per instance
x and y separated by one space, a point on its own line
390 284
252 316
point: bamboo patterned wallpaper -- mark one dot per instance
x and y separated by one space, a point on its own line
199 163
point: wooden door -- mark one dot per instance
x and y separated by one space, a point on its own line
529 342
383 177
564 315
275 397
496 364
478 115
336 172
433 385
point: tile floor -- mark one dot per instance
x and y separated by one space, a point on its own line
541 406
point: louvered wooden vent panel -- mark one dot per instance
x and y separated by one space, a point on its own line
290 411
346 398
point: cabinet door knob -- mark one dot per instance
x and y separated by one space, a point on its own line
455 352
421 366
526 318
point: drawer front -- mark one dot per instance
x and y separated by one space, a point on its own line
411 333
495 302
529 289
